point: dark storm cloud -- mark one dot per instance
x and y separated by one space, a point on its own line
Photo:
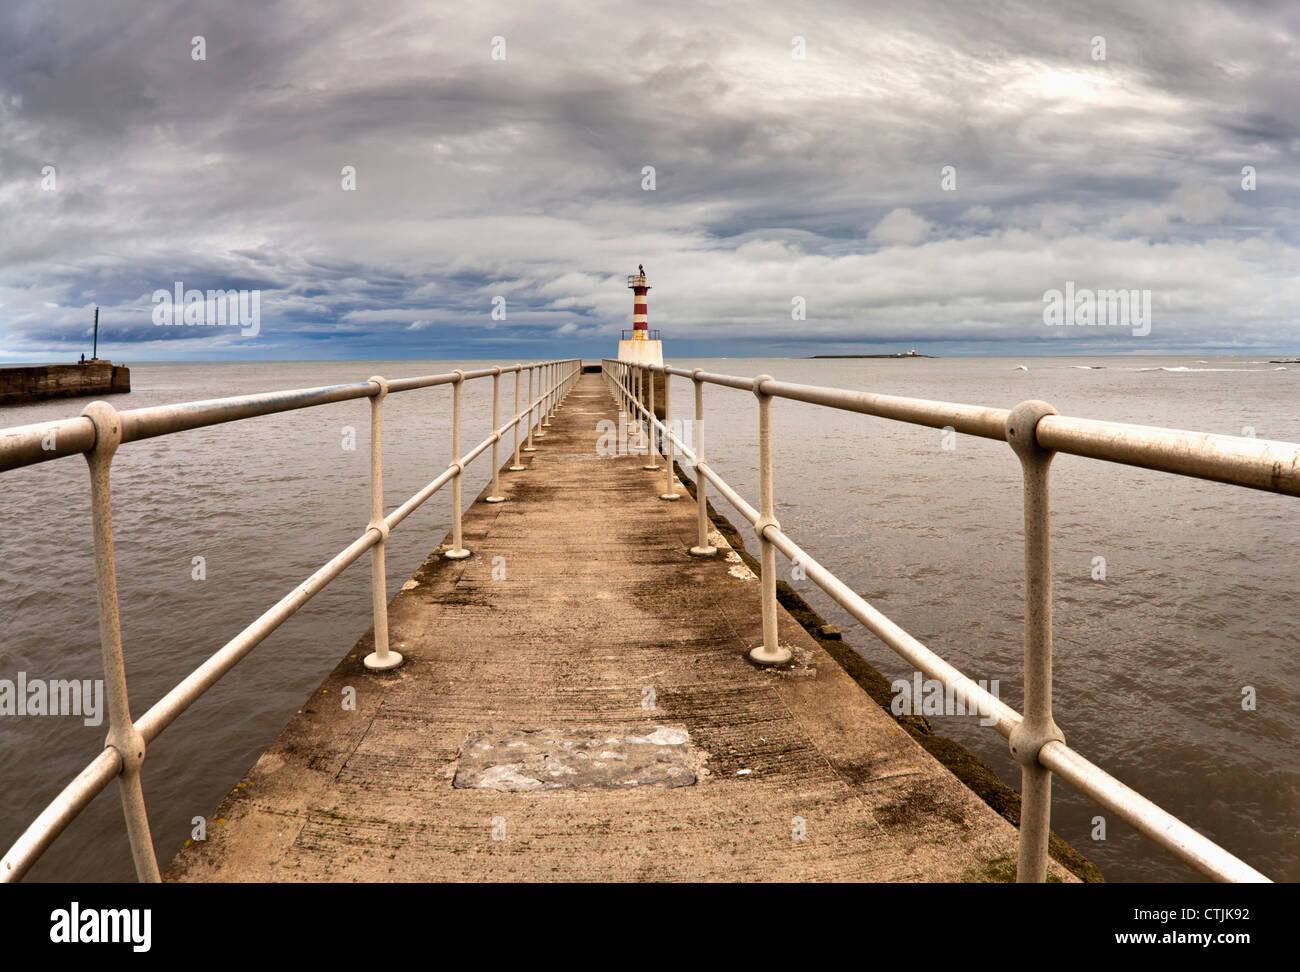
775 177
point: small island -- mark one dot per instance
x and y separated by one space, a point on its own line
896 354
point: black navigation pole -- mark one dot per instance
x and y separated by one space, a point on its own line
94 354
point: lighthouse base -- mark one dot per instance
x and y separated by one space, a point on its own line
641 352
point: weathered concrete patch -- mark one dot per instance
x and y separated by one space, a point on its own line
738 569
569 759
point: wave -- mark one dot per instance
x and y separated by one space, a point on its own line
1181 368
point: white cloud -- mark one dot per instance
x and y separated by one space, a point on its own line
1202 203
1194 204
900 226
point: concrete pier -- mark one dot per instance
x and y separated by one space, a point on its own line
577 704
37 383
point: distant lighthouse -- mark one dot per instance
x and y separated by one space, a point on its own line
638 286
640 347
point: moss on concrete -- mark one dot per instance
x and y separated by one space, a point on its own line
960 761
1001 870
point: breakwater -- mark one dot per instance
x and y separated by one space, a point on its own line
37 383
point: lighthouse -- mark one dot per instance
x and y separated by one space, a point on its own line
641 345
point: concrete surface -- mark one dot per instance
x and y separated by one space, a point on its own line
594 619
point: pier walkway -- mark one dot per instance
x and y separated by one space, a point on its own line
581 616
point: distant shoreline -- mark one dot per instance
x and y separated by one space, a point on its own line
896 354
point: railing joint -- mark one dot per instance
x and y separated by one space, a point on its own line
130 746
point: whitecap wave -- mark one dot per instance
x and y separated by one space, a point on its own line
1184 368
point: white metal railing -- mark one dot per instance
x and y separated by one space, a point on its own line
1035 433
98 433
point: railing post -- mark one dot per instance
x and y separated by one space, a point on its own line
544 422
381 658
529 447
703 548
1037 728
519 375
457 551
543 393
668 493
771 651
496 496
122 733
651 452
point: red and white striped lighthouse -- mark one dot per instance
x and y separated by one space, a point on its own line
636 283
641 348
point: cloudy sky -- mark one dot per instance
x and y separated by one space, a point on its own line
500 150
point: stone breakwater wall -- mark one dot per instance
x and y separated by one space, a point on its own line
37 383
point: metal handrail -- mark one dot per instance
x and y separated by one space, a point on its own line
1035 432
99 431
